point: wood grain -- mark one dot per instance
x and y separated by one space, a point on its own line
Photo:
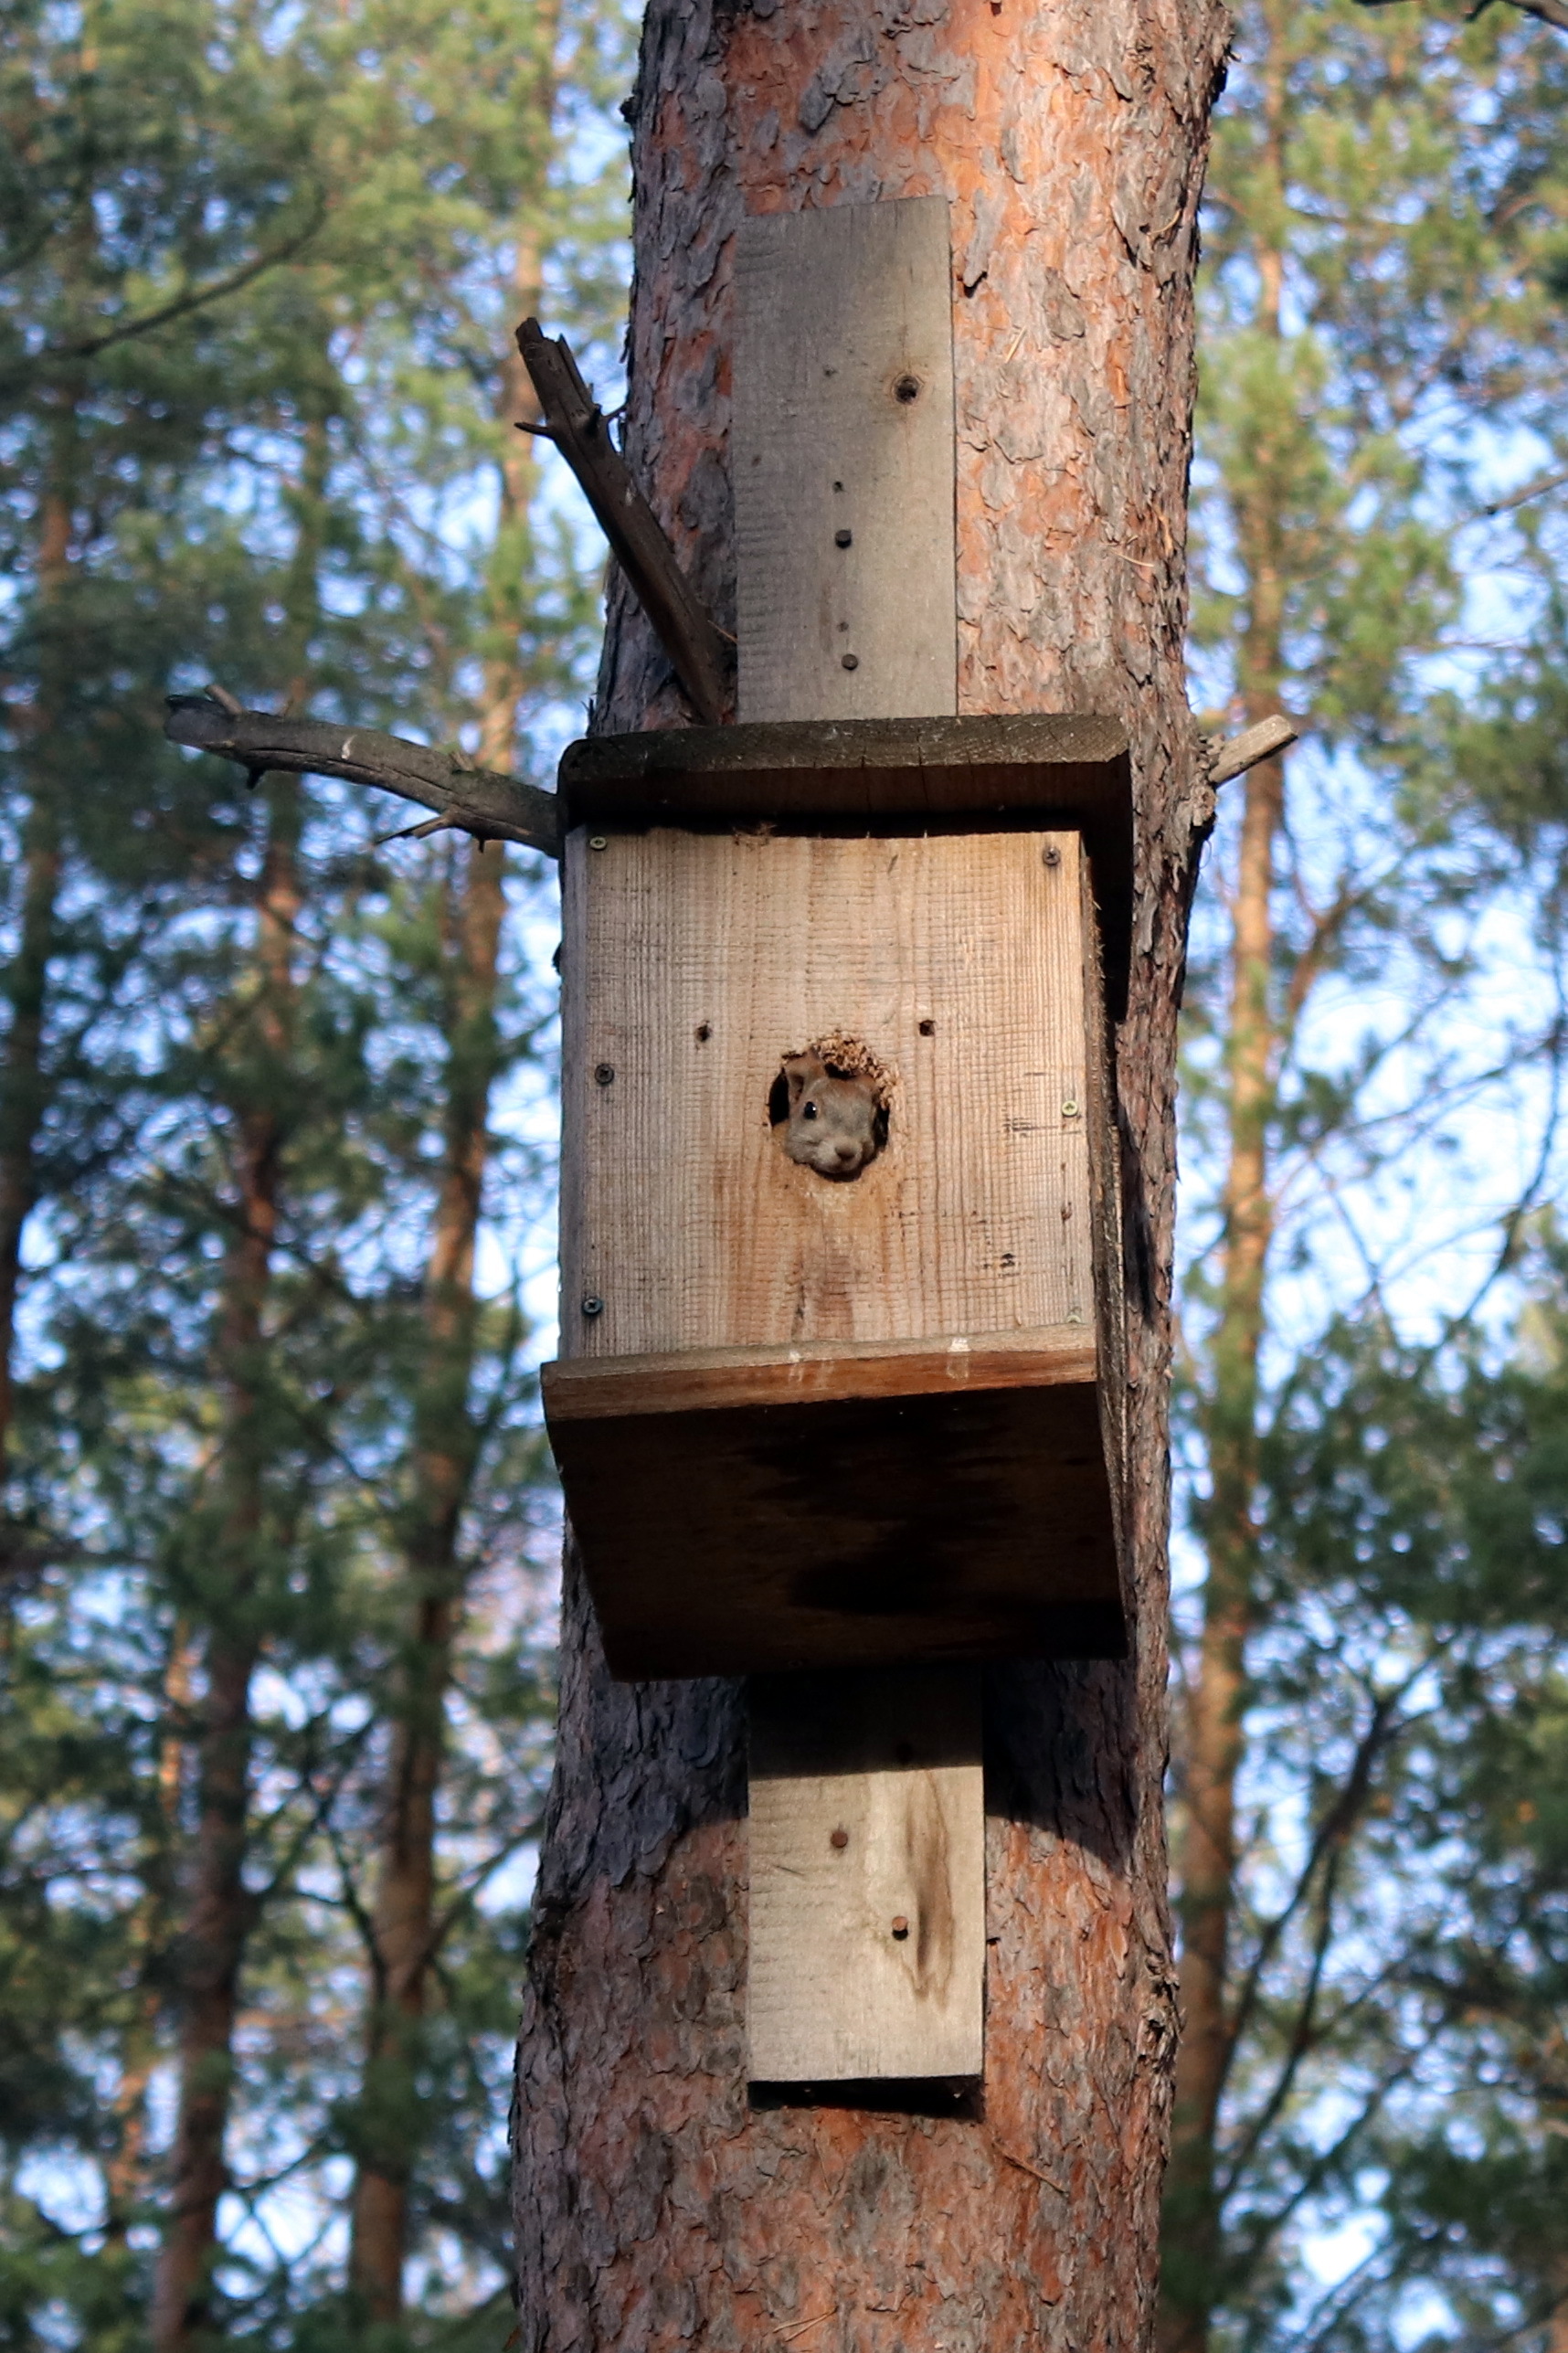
866 1811
655 2206
695 963
841 460
957 1524
1061 770
687 1379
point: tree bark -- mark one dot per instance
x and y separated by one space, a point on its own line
1213 1746
24 1083
654 2204
445 1443
218 1906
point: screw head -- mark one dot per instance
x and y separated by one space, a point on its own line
850 660
592 1304
599 842
839 1839
907 389
1069 1108
843 538
1051 854
604 1074
900 1925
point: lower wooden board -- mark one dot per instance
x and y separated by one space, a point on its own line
966 1524
867 1863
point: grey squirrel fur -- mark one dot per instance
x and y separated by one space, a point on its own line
836 1124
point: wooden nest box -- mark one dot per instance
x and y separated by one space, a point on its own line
841 1380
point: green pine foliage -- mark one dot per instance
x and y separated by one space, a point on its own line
1386 365
260 277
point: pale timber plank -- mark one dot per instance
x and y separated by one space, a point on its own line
890 1762
843 425
844 526
959 959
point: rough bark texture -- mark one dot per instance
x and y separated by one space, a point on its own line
655 2206
446 1444
1212 1749
24 1082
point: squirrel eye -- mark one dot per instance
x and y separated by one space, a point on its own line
809 1111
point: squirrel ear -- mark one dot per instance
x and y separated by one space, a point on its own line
795 1072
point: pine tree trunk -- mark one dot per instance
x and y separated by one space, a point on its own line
403 1925
24 1085
218 1907
654 2204
1193 2282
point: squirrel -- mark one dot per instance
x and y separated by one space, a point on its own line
837 1123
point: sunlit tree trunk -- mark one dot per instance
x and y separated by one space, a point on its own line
219 1908
654 2205
404 1927
24 1084
1213 1746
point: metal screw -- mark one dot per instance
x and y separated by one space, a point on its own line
604 1073
592 1304
839 1839
1052 855
851 661
900 1925
1069 1110
927 1028
599 842
843 538
907 389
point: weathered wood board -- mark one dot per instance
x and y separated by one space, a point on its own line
868 1862
841 460
1040 770
967 1521
963 961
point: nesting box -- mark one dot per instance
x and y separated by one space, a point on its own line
811 1414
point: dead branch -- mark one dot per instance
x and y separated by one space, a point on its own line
1245 751
580 430
477 800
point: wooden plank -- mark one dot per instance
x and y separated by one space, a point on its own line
959 959
688 1380
867 1950
977 761
841 459
881 776
975 1523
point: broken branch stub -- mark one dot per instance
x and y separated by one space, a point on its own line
1261 742
579 430
481 802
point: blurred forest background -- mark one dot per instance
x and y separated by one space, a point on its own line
276 1545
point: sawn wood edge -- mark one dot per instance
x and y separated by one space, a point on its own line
695 1380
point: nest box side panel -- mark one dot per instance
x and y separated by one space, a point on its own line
694 964
867 1906
841 456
